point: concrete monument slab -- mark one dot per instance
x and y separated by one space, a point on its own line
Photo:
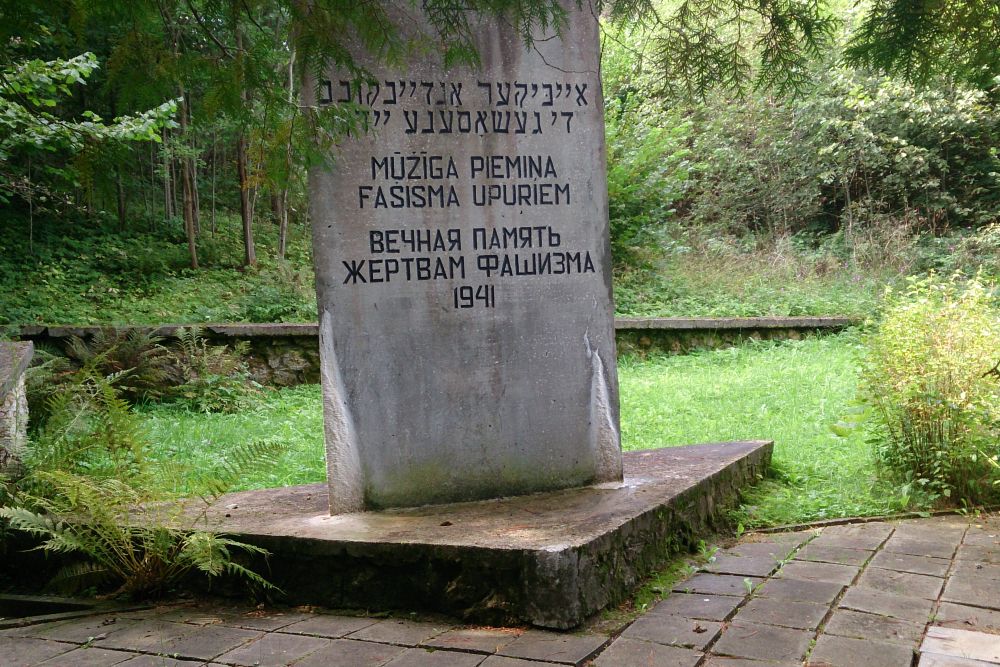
463 275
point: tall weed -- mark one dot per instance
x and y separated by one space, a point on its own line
930 375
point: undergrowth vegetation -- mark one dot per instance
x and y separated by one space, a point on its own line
82 273
92 488
931 375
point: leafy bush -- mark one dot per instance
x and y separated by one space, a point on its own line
930 375
855 152
648 166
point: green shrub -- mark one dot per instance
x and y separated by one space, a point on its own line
648 170
930 375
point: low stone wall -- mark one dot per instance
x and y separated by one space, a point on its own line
14 359
288 354
679 335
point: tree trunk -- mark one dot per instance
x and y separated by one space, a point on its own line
246 213
168 195
215 157
283 196
120 194
187 181
193 169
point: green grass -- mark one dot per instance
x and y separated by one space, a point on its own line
789 392
292 416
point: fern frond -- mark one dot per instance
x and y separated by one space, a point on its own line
78 576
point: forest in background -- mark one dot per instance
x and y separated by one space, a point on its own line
738 185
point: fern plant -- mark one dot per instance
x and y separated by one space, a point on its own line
210 378
140 353
90 491
143 547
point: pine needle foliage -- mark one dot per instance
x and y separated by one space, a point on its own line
923 39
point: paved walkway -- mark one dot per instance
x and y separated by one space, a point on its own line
923 592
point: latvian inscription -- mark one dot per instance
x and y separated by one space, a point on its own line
462 272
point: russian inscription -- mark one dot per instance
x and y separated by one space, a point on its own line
462 272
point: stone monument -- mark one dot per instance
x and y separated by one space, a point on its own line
463 276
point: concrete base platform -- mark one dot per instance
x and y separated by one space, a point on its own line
549 559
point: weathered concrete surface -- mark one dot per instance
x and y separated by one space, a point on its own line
549 559
463 275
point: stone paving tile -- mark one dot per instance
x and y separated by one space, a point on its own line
726 661
833 651
902 583
954 615
788 614
79 630
867 536
480 640
779 551
986 535
763 642
398 631
979 552
973 590
908 608
625 652
274 650
812 571
916 547
504 661
209 642
934 660
267 622
861 625
149 660
89 657
939 528
718 584
328 625
838 555
25 652
152 636
351 653
707 607
754 566
195 616
674 630
422 657
800 590
937 567
962 644
966 568
799 537
554 647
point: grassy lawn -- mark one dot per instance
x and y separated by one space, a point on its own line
787 392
